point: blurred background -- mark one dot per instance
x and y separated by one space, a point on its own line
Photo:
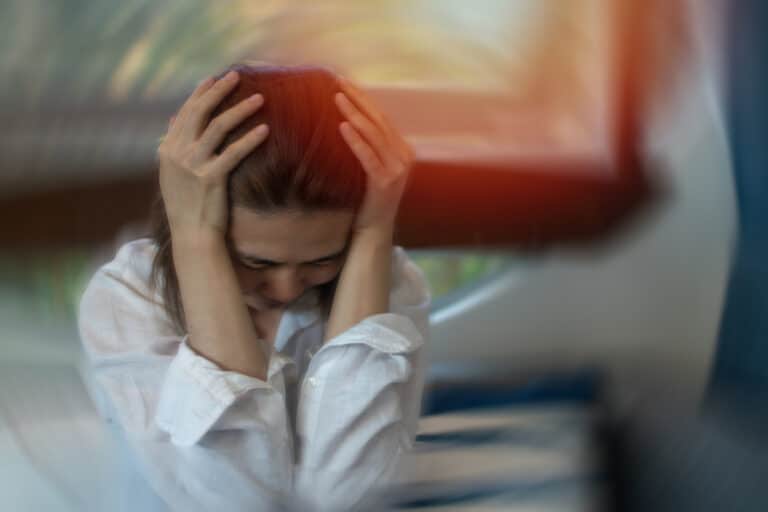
585 169
88 86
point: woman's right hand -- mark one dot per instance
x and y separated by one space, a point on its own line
193 179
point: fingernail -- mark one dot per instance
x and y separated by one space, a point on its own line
204 81
232 75
255 98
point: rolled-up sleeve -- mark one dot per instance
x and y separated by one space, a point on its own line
361 397
186 419
196 396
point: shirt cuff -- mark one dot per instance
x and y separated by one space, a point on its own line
409 285
196 393
391 333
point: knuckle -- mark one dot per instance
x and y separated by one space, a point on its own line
221 85
228 157
208 178
204 176
195 109
359 119
217 126
373 162
167 154
189 160
187 165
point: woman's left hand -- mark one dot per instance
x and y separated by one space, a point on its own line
384 155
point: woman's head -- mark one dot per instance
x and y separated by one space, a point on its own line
292 200
304 164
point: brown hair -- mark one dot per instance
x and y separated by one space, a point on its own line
304 164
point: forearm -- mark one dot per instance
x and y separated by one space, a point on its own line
219 325
364 283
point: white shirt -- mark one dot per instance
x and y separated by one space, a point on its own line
327 427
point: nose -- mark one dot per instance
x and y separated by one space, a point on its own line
283 286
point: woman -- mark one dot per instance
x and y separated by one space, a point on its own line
266 344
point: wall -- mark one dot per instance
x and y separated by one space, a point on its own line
647 308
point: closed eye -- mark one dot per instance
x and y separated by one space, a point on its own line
265 266
255 266
322 263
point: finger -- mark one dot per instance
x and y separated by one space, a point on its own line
363 102
220 126
367 157
238 150
394 161
201 87
364 126
195 112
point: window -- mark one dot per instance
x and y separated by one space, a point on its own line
495 80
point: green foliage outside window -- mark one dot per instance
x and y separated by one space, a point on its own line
51 284
451 271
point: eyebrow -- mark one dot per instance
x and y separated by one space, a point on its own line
262 261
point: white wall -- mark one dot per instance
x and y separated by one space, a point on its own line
647 309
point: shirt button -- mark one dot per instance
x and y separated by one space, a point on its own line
312 382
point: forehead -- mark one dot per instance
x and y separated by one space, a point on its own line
287 235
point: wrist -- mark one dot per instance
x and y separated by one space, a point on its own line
371 249
379 233
196 242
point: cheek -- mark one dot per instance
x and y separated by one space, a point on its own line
247 278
